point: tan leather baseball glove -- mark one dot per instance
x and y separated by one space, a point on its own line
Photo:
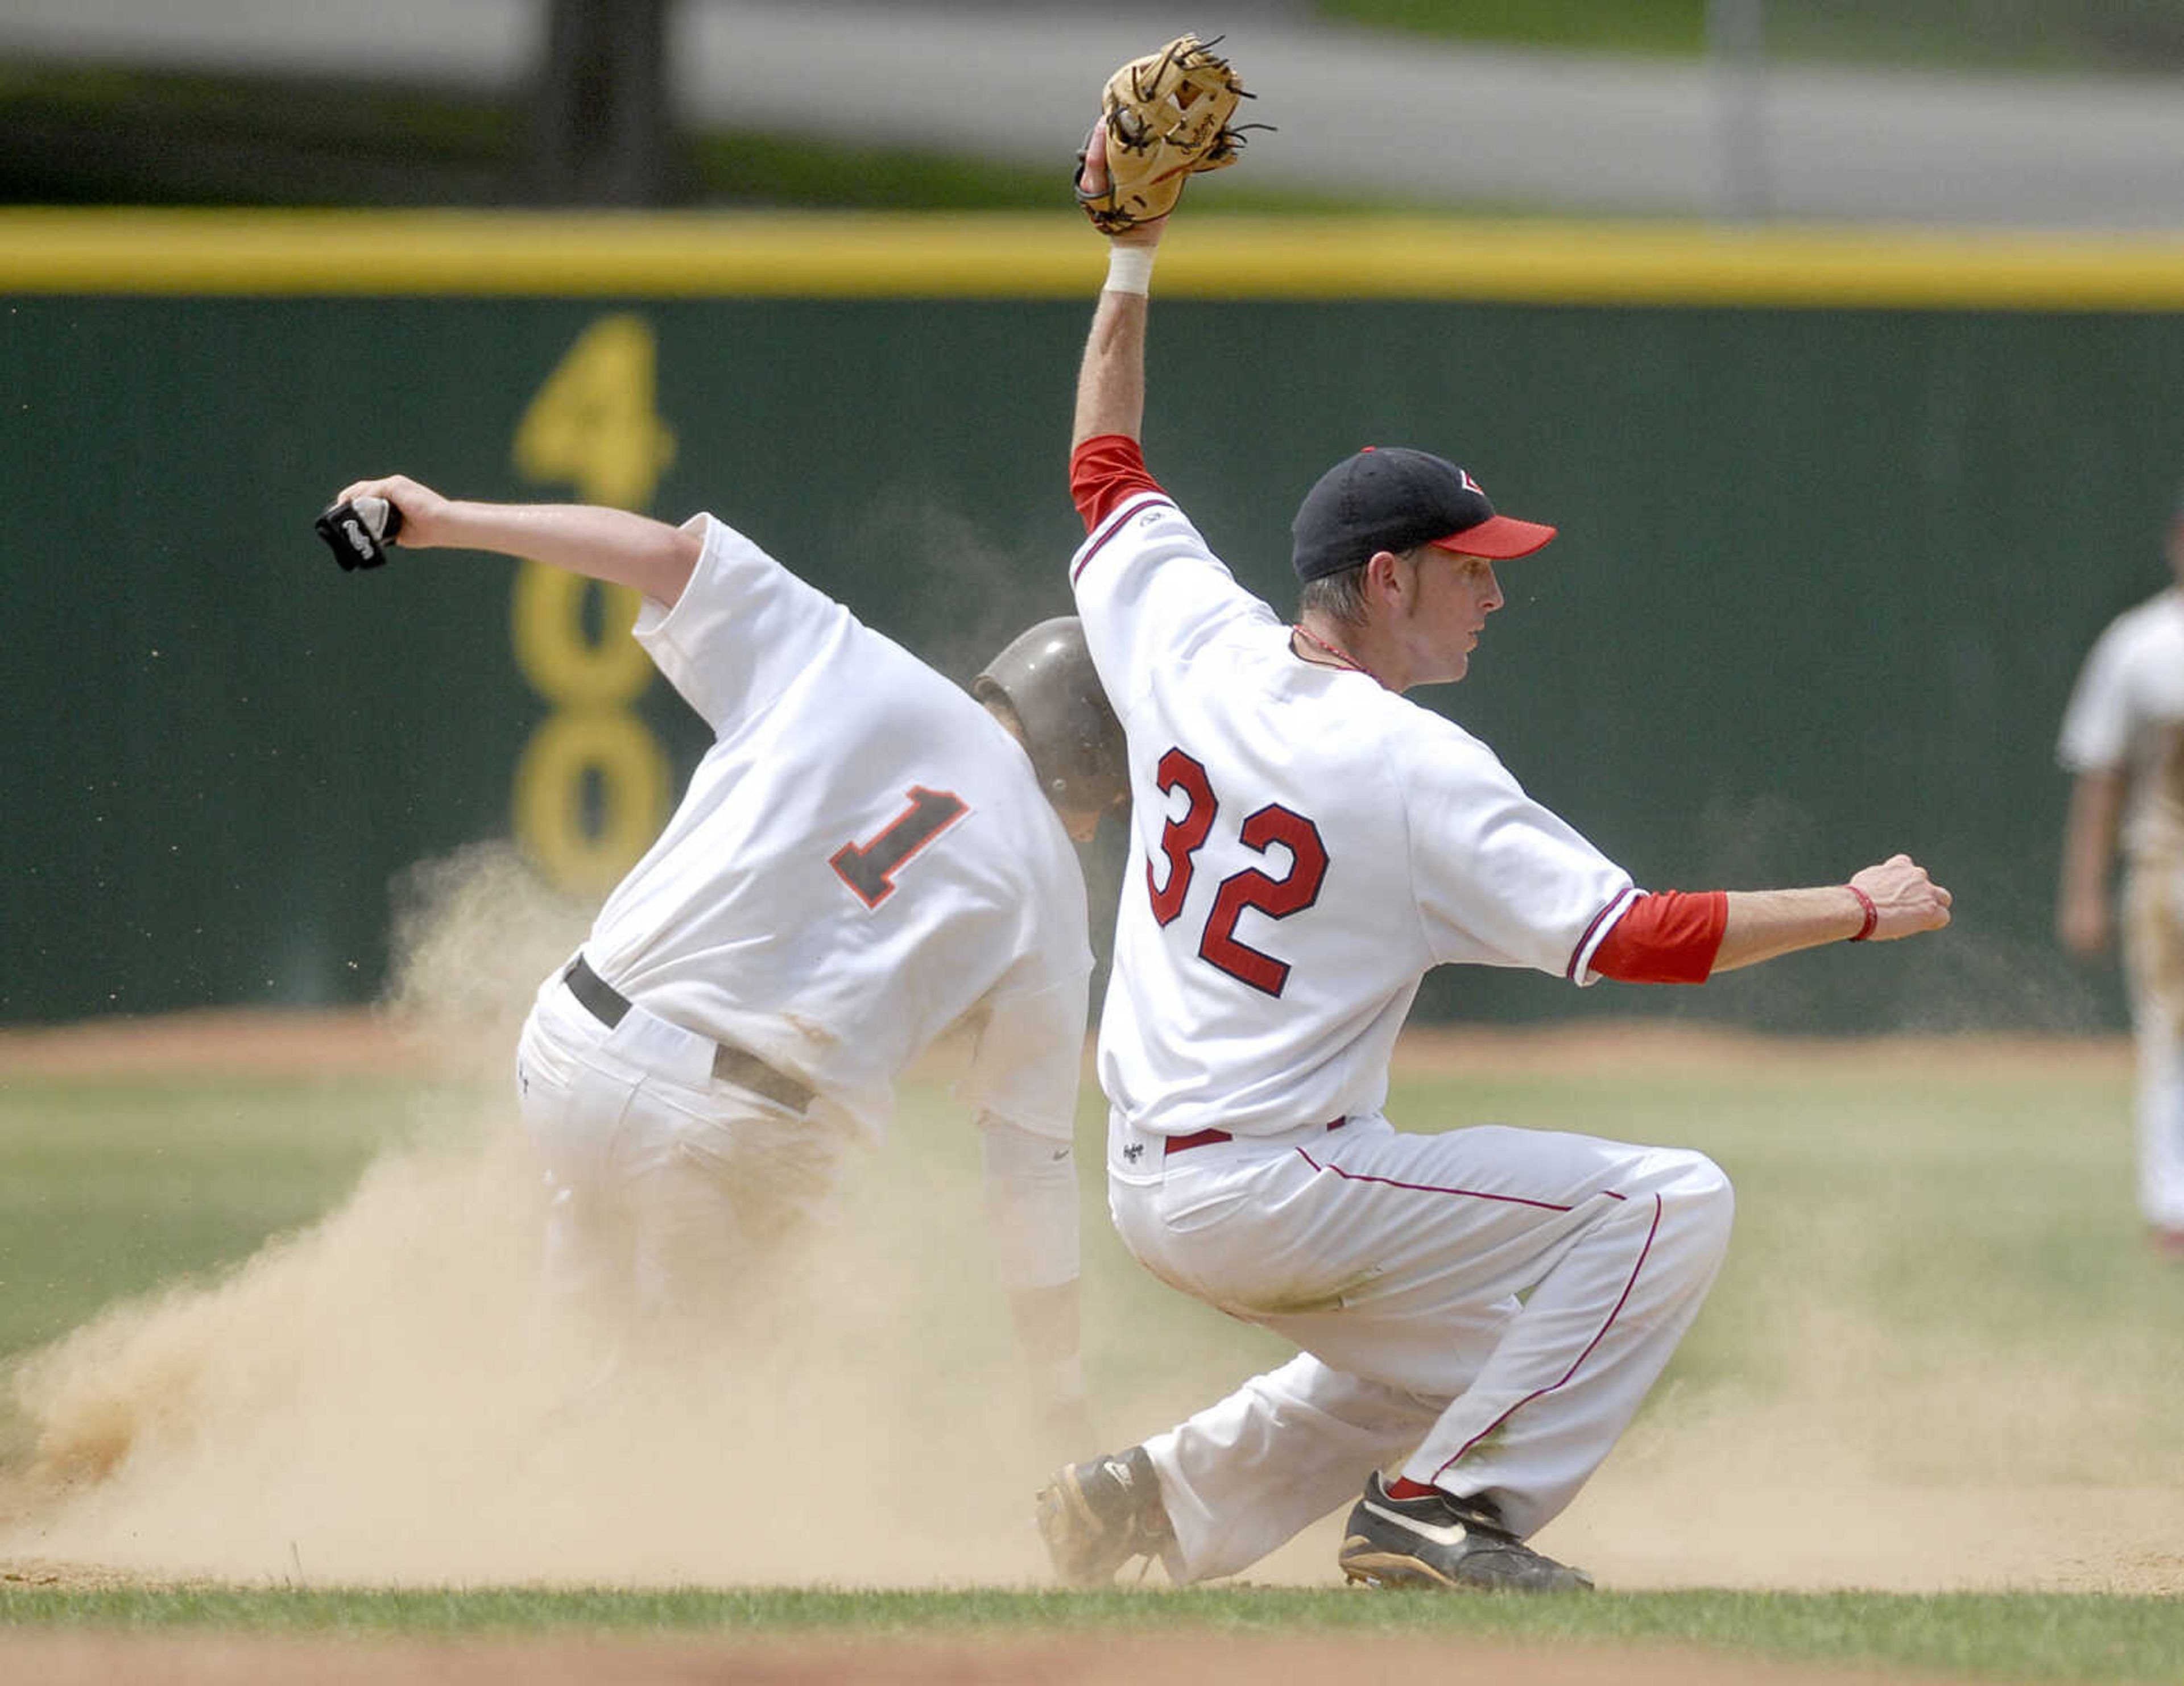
1162 118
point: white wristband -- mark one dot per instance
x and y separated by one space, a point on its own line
1130 269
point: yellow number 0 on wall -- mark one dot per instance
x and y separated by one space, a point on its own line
591 786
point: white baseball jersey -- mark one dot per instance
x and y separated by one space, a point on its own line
2126 714
863 859
1305 845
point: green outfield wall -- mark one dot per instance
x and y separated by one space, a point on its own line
1840 515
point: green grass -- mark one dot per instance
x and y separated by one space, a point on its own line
109 1188
1984 1218
1990 1637
2006 1199
1964 1233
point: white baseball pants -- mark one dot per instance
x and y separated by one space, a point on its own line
2153 952
669 1186
1489 1305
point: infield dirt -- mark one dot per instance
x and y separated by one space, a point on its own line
366 1401
360 1404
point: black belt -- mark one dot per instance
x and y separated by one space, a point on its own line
745 1070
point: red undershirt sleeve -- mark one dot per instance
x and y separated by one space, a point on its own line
1104 471
1666 938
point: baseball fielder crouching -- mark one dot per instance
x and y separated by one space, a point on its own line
1479 1313
865 857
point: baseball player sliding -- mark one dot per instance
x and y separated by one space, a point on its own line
1480 1311
865 857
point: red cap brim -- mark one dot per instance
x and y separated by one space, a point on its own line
1498 538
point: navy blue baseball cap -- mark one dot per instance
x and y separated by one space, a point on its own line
1394 498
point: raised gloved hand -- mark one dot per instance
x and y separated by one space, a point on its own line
1163 118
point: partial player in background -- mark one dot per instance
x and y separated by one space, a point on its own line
2123 736
865 858
1480 1311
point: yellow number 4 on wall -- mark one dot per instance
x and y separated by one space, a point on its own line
591 786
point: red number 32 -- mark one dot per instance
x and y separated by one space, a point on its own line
1182 837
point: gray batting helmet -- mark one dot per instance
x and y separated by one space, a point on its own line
1045 676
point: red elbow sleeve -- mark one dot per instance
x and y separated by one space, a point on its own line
1667 937
1104 471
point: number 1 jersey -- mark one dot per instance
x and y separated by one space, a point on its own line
863 859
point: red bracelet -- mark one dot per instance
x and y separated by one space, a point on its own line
1872 912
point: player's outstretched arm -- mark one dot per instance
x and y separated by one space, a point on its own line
1111 384
601 544
1762 924
1164 118
1111 387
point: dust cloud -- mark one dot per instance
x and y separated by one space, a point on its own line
1865 1462
1848 1470
374 1400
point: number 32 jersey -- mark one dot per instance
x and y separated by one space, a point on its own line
1305 846
864 858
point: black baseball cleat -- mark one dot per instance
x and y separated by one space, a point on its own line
1440 1540
1096 1517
